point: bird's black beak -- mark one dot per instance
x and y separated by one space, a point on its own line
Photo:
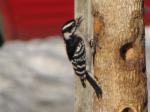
79 21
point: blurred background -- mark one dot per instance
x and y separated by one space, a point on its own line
35 74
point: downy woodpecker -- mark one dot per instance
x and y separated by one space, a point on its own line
76 51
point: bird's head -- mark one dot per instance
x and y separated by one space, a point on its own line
70 27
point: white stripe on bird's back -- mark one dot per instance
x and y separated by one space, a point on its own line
81 66
80 72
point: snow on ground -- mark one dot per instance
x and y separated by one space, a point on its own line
36 76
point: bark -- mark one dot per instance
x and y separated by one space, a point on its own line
119 63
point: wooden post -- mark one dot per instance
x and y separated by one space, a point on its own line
83 102
119 63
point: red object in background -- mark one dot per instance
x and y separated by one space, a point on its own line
147 12
26 19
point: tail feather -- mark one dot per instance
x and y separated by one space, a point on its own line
94 84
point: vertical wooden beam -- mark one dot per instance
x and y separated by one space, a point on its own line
83 100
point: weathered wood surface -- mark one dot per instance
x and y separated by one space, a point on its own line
120 60
82 95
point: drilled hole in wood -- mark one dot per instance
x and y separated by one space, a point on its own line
126 51
144 69
145 104
127 109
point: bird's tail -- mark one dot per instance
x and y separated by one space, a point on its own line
94 84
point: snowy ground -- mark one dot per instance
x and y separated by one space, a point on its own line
36 76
